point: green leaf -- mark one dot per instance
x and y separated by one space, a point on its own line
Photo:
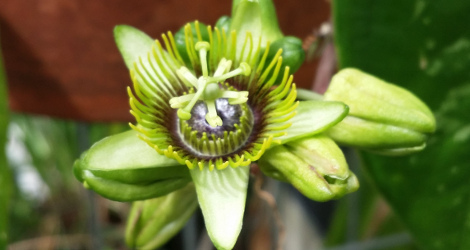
222 196
423 46
132 43
314 117
5 175
438 178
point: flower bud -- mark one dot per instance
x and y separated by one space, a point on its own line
293 55
383 118
315 166
153 222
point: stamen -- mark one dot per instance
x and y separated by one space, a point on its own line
243 69
186 76
185 113
208 88
235 97
181 101
223 67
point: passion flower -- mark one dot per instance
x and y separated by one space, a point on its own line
219 111
205 117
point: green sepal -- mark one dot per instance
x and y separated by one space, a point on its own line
126 158
119 191
132 43
257 17
222 197
315 166
293 55
373 136
180 39
383 118
312 118
153 222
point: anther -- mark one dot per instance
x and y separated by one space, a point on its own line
211 117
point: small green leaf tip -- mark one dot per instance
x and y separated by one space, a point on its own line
383 118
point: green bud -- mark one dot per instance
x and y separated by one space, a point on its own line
153 222
123 167
293 55
223 23
315 166
180 39
383 118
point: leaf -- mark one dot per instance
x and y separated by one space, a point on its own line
222 196
438 178
5 175
132 43
423 46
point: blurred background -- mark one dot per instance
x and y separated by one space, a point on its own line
63 87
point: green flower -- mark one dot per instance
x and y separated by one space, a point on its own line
204 119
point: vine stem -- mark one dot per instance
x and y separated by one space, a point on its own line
271 201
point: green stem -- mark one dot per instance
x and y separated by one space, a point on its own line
5 175
303 94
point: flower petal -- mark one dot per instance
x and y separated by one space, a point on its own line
126 158
120 191
257 17
222 196
314 117
132 43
